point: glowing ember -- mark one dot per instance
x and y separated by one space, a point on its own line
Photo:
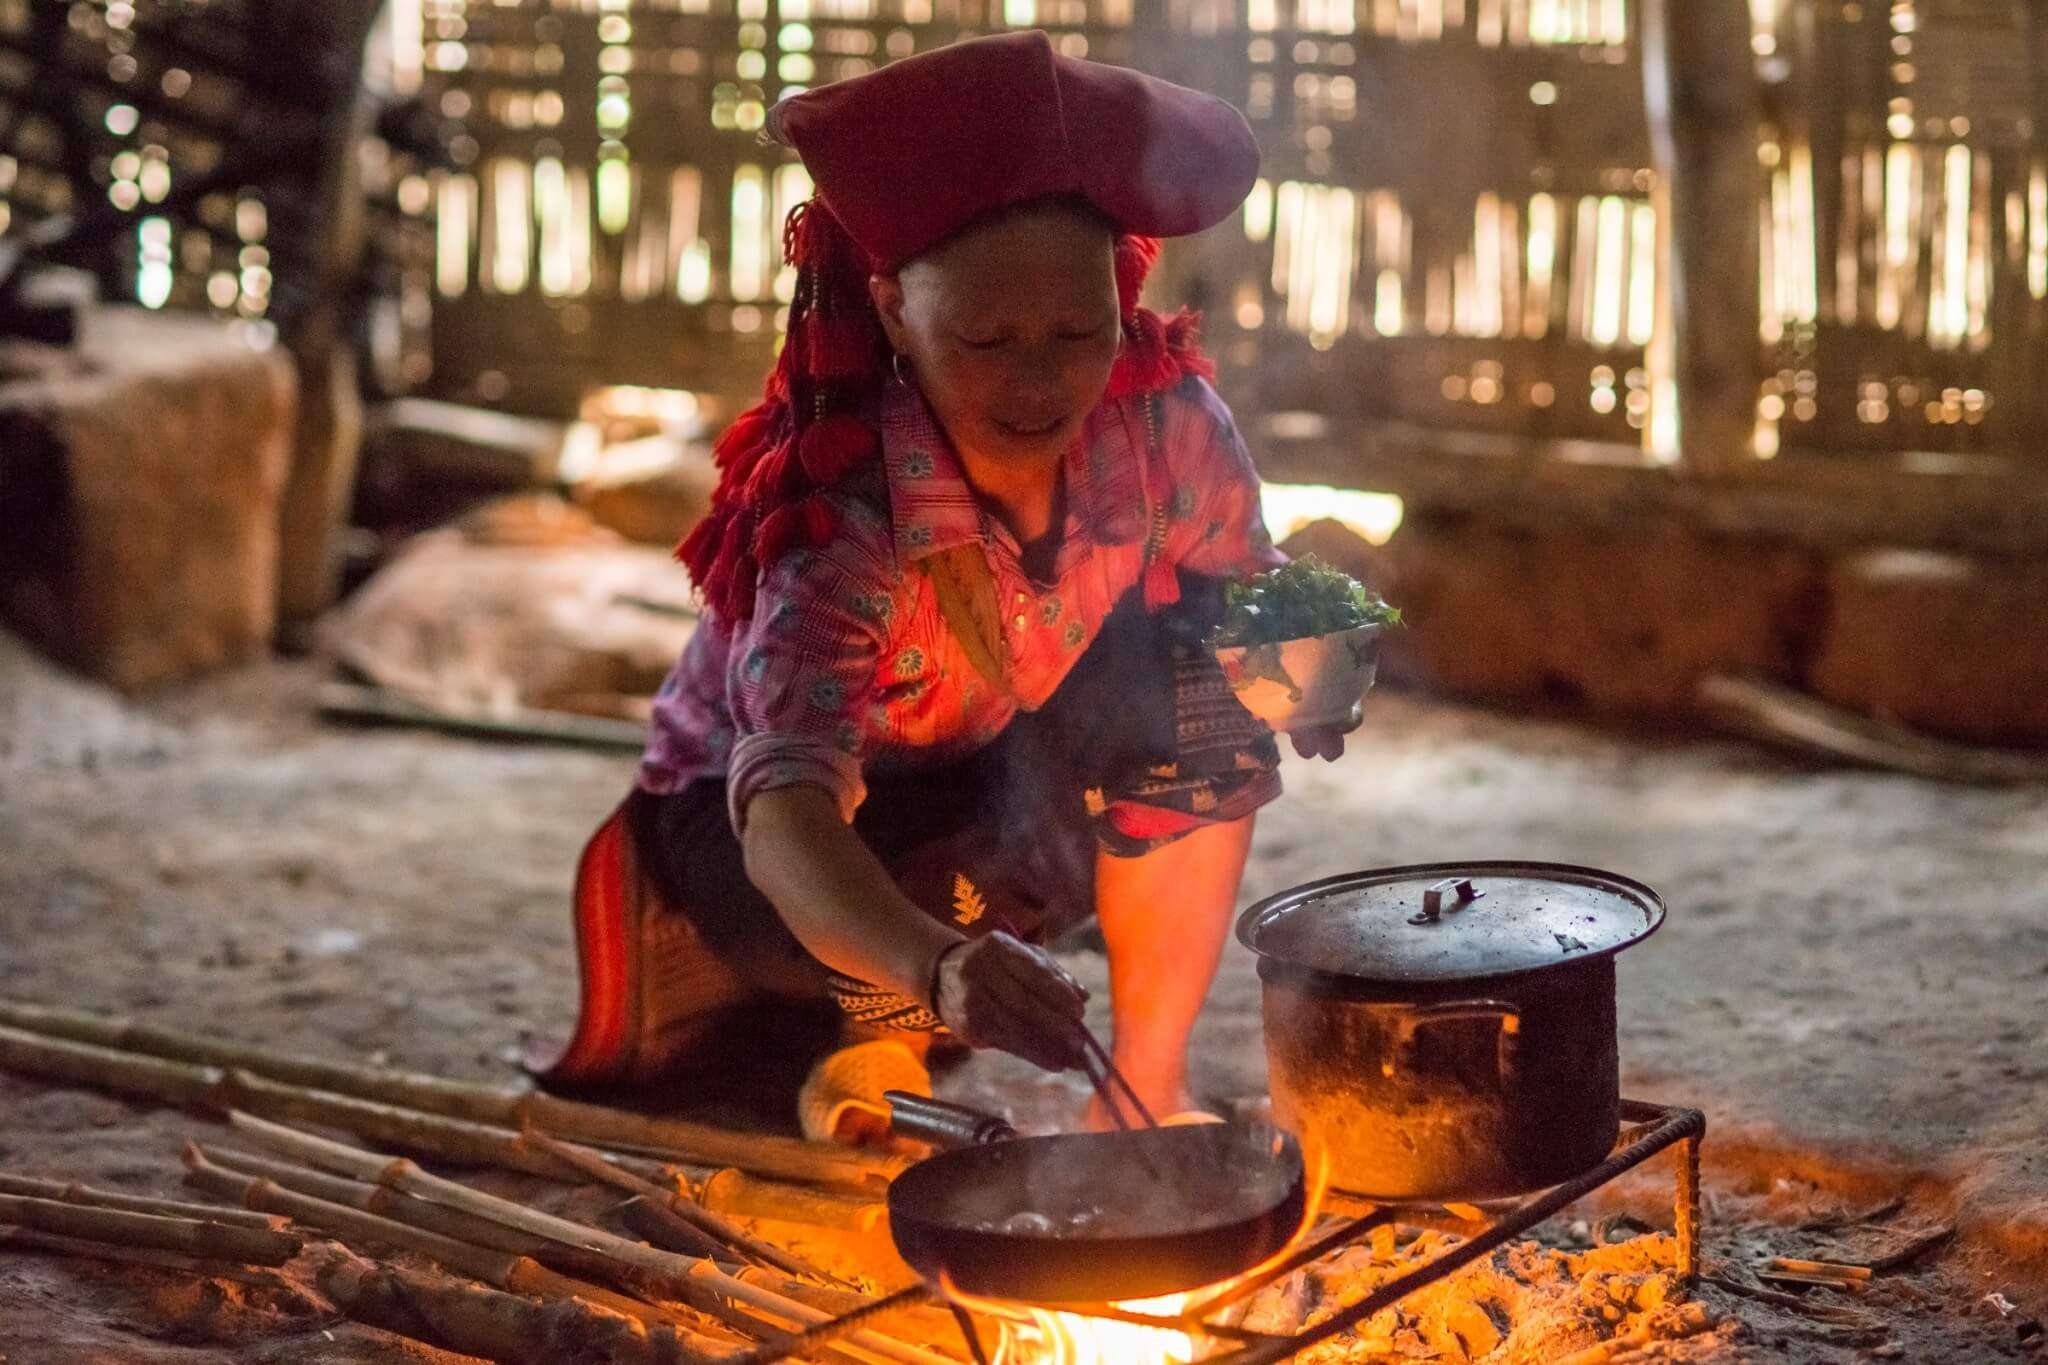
1041 1337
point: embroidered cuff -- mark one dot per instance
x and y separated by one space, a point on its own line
761 762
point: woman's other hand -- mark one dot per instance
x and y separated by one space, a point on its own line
1326 741
999 992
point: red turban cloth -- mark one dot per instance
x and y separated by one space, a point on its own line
912 153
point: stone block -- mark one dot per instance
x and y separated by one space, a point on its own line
140 474
1952 646
1616 623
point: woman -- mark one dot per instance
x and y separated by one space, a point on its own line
947 696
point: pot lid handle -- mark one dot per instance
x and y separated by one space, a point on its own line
1433 899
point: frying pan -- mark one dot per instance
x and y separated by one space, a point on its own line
1088 1217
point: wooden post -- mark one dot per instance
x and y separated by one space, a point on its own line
1699 88
321 338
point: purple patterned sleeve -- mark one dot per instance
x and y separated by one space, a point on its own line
801 680
1214 522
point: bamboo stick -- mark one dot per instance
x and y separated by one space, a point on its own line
736 1192
510 1107
503 1270
100 1068
72 1192
824 1333
779 1158
643 1219
220 1241
653 1222
463 1141
211 1089
923 1325
698 1223
475 1321
404 1208
1833 1270
428 1216
689 1278
28 1239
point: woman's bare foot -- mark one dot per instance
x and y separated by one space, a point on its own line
1163 1096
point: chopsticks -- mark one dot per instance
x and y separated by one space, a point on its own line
1101 1072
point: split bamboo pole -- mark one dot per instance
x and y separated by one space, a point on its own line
429 1217
487 1323
504 1106
686 1276
188 1236
72 1192
698 1223
503 1270
28 1239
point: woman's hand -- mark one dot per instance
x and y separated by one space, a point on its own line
1326 741
999 992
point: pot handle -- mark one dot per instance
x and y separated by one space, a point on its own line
1433 899
943 1125
1418 1017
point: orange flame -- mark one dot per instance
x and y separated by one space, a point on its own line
1050 1337
1031 1335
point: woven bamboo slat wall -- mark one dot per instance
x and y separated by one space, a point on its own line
1904 216
188 153
1453 228
1456 233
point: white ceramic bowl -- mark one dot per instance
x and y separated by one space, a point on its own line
1298 684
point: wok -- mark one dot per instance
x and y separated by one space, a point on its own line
1088 1217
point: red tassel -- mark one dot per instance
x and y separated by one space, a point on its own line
778 534
821 521
833 447
1135 257
811 523
700 543
774 477
1184 341
748 432
1158 353
842 347
721 586
746 580
1162 585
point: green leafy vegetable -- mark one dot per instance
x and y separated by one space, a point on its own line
1304 598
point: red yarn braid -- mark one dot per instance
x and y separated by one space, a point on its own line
806 435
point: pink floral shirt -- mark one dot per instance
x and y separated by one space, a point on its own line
848 664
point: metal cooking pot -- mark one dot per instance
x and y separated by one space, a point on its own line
1445 1032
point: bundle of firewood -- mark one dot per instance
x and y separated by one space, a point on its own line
479 1274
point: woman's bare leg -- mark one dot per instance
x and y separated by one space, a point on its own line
1164 915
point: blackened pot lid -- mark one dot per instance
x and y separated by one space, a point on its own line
1435 922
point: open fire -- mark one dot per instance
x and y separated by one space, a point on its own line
1325 1282
1046 1337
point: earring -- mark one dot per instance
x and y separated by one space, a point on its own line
896 365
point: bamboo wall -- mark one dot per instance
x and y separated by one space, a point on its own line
1458 230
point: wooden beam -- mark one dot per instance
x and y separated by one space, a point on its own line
1699 89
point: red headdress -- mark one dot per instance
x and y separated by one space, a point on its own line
1157 159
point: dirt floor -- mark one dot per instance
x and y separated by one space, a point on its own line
1852 981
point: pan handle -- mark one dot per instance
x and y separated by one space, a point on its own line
943 1125
1414 1018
